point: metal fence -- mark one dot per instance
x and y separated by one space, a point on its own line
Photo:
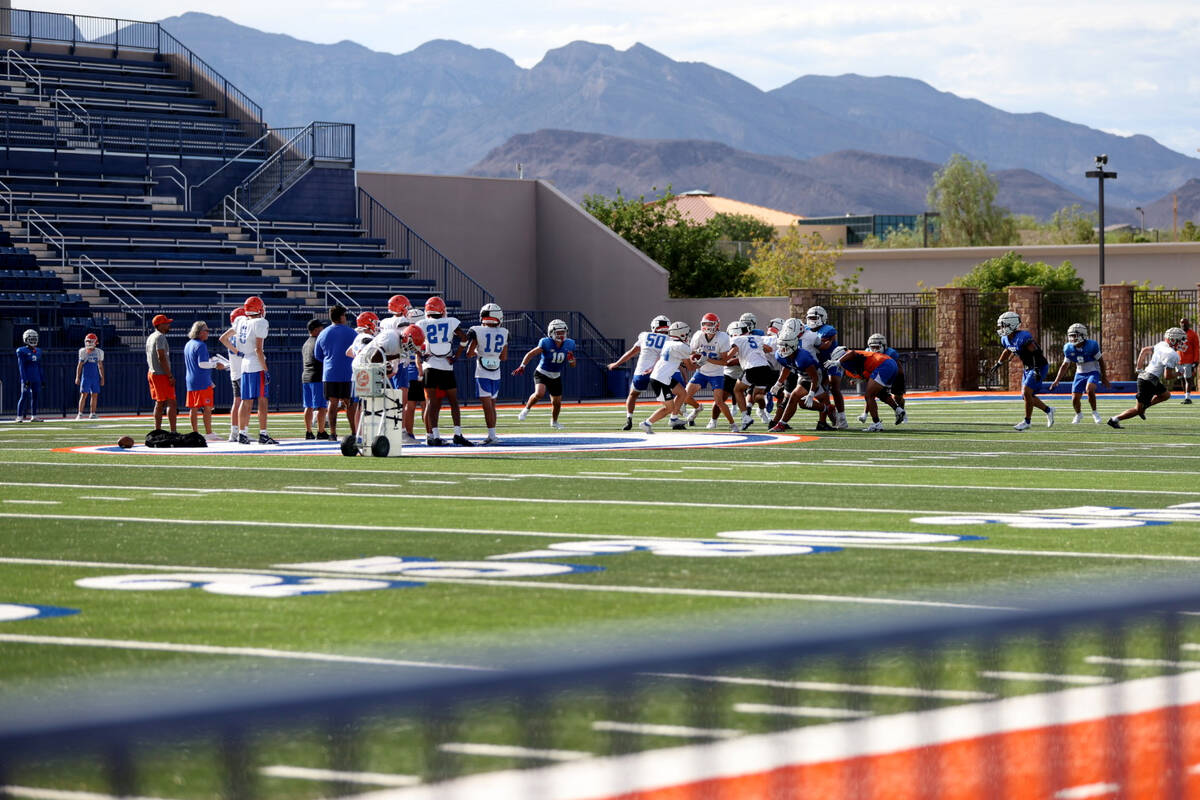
1156 310
1055 696
1061 310
317 141
982 309
907 319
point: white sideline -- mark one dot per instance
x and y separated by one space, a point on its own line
511 751
821 686
205 649
614 776
679 731
336 776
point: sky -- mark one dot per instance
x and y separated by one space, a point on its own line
1123 67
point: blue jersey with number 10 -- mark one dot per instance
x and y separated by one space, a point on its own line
554 356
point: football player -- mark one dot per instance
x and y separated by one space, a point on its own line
796 361
666 377
647 348
414 368
1085 354
1027 349
878 370
398 306
732 377
235 371
441 333
757 375
712 344
877 343
817 320
29 366
488 343
555 350
251 333
89 374
1157 367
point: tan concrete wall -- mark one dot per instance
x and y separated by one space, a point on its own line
1173 265
691 309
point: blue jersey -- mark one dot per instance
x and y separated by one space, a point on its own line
554 356
332 344
797 362
1017 344
826 332
1084 356
29 364
891 353
198 378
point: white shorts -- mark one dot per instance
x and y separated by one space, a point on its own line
1187 370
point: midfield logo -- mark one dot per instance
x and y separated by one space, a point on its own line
1085 517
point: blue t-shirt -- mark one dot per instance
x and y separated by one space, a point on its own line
198 378
892 354
1083 355
824 332
1016 342
554 355
797 362
331 347
29 363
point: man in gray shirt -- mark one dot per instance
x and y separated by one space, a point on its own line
162 382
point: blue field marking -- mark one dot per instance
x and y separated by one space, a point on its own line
13 612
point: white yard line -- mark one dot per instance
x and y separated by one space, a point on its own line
808 712
102 497
677 731
216 650
1142 662
536 585
511 751
821 686
38 793
35 502
336 776
1042 677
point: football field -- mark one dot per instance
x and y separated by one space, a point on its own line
115 565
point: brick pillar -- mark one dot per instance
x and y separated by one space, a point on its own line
956 368
801 300
1027 302
1116 330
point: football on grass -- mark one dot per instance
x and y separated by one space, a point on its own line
125 441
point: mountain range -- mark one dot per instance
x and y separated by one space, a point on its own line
446 106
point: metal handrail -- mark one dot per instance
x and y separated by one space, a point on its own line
187 193
234 158
31 72
46 229
6 194
276 156
332 290
70 104
230 207
111 285
281 248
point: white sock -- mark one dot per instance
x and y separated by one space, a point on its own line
628 415
492 433
435 434
242 431
458 430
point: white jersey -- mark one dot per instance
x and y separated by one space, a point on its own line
93 356
750 353
396 322
710 348
360 341
769 341
810 341
490 341
673 353
249 331
651 345
235 360
439 340
1163 358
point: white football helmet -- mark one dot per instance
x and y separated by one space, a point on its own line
415 313
1176 338
491 314
30 337
1077 333
557 330
660 323
838 352
786 343
1007 323
710 323
775 325
877 342
815 317
792 327
737 328
750 320
679 330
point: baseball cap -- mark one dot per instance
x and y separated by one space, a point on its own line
160 319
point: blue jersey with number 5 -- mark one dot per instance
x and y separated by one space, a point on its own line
554 356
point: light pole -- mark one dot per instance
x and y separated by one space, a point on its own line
1100 174
1142 214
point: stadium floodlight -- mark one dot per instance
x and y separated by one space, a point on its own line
1100 174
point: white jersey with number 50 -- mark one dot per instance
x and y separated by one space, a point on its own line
750 353
651 345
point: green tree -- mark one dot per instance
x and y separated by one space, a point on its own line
965 195
1010 269
686 249
1073 226
1190 232
895 238
796 259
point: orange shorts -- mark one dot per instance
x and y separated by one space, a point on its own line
200 399
161 389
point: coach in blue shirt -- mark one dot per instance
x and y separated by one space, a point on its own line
331 348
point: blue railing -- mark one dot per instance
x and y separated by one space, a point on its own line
297 152
427 261
134 36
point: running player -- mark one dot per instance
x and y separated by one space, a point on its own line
647 349
878 370
89 374
712 344
1085 354
441 333
488 343
666 377
1159 369
752 357
877 343
555 350
1026 348
817 320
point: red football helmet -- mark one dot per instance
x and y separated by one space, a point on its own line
398 304
254 306
710 323
237 312
435 307
91 340
368 321
413 338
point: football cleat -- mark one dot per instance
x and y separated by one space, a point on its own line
558 426
1096 417
490 440
78 417
1075 419
747 421
901 415
691 417
435 441
628 426
822 425
309 436
1187 401
1049 417
324 435
462 441
1022 426
233 436
840 423
781 427
1113 423
646 427
1007 323
522 414
862 417
213 437
266 438
679 426
712 425
764 416
734 427
408 438
91 416
874 427
243 439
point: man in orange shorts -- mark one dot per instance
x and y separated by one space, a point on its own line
162 382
